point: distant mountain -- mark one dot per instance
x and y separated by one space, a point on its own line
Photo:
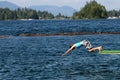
55 10
65 10
6 4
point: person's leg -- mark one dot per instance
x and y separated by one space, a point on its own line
96 48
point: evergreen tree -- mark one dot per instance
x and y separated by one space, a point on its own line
24 13
92 10
113 13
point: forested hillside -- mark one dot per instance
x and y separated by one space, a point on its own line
92 10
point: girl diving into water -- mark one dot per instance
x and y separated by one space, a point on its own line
85 43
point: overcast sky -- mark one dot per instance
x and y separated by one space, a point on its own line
77 4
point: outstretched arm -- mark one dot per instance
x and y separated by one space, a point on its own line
68 50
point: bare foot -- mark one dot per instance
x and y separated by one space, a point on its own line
100 48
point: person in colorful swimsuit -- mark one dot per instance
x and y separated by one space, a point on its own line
85 43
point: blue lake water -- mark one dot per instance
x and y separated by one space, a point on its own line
39 57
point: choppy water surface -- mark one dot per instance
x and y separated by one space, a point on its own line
39 58
15 28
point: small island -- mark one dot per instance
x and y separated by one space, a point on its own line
92 10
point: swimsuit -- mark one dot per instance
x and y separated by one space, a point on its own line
77 45
86 43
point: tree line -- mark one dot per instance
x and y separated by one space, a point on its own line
25 13
91 10
114 13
